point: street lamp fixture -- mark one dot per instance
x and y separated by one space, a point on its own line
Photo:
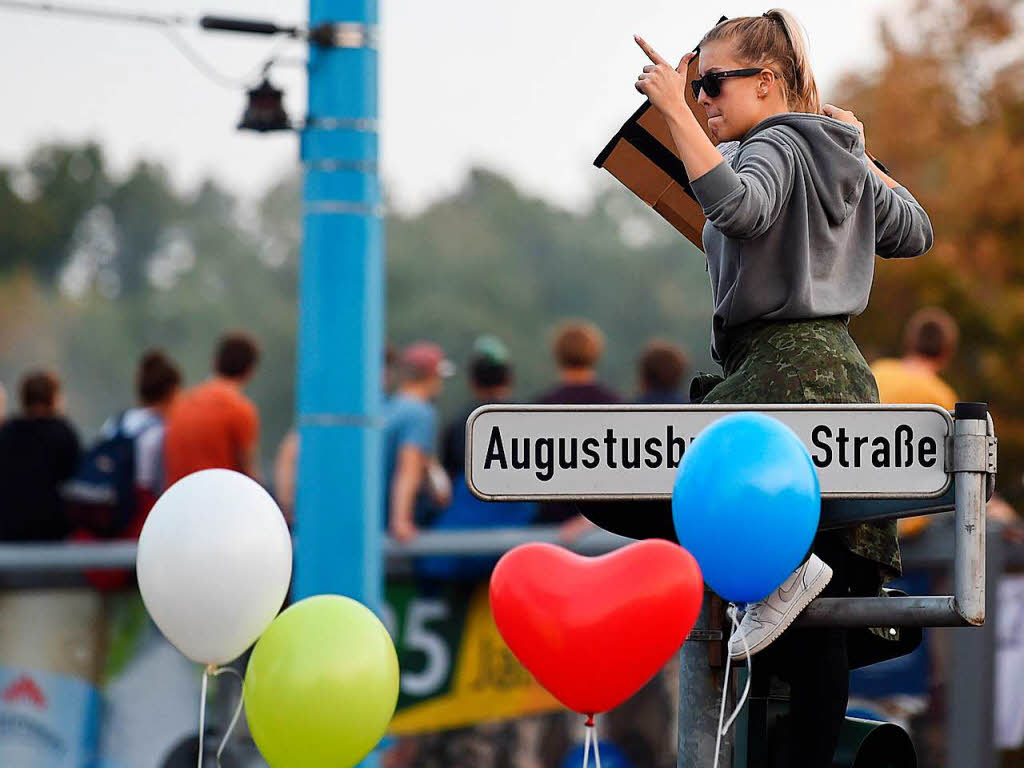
264 110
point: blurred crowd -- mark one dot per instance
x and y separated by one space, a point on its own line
425 461
55 489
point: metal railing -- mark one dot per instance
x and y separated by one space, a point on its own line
72 557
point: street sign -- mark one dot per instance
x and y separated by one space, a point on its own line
595 452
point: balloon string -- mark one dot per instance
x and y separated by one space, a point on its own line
590 737
722 730
746 688
216 671
238 709
202 713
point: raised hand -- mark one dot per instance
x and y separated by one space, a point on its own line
662 83
846 116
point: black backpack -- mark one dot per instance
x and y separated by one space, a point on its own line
100 496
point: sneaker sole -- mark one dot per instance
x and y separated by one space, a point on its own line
797 607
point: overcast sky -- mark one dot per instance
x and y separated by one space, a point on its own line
533 89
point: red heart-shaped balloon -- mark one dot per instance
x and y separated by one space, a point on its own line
594 630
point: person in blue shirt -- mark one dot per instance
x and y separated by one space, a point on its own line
413 479
490 380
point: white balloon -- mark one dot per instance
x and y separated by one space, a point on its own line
214 563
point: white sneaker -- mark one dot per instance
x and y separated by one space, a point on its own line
763 622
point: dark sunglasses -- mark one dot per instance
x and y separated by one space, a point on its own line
711 82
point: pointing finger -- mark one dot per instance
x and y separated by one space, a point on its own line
652 54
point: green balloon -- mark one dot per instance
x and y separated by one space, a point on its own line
321 685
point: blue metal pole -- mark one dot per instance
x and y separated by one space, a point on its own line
341 316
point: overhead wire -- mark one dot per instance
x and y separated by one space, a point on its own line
98 13
169 24
208 70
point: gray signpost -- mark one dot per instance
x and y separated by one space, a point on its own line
874 462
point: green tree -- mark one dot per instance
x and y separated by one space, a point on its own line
144 207
44 201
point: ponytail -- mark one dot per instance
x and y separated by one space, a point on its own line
776 41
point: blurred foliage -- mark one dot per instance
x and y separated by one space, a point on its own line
945 112
144 264
488 260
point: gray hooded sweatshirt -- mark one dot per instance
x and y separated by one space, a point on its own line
794 220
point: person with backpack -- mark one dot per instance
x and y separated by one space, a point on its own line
121 476
157 382
39 450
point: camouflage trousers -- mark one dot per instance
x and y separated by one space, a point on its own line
804 361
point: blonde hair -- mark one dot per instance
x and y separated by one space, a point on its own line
775 41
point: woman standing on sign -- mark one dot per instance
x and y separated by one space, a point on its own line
795 212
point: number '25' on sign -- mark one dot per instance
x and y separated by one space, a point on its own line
455 668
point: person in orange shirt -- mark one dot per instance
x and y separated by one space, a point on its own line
214 425
929 344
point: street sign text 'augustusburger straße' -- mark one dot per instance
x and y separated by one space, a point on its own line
606 452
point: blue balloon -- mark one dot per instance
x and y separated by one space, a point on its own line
746 504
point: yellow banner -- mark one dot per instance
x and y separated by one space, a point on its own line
488 682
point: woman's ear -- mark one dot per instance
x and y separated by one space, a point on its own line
764 83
